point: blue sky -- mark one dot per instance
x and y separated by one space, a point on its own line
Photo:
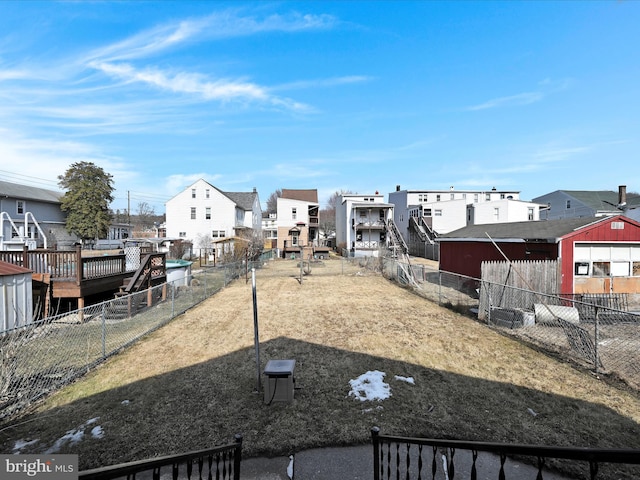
348 95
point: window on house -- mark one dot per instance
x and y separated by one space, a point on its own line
206 193
207 213
294 238
427 212
438 198
464 196
530 213
601 269
363 213
419 198
182 234
496 214
20 207
294 213
438 213
568 203
381 214
453 196
502 196
193 193
582 268
193 213
475 198
487 197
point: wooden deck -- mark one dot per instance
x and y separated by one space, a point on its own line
69 274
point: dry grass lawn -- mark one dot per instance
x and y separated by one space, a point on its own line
192 384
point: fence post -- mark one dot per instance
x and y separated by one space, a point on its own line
439 287
173 300
104 331
595 343
237 457
375 439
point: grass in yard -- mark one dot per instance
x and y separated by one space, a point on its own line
192 384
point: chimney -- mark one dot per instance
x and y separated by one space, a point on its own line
622 195
254 190
493 189
451 188
397 188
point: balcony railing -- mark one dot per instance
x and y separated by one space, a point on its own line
395 457
221 462
67 264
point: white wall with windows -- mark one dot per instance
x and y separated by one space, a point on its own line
199 212
606 260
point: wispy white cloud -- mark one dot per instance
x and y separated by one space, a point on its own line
194 83
518 100
322 83
218 25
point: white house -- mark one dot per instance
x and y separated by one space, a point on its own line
447 207
202 213
503 211
298 220
362 224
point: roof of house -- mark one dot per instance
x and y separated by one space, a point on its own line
550 230
7 269
25 192
600 200
310 195
243 200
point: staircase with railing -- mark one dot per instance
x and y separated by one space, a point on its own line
150 273
400 251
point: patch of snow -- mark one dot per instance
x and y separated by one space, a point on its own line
20 444
369 410
290 467
74 436
405 379
125 402
370 386
71 437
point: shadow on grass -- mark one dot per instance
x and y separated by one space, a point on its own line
206 404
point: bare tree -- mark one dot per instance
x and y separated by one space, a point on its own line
328 214
272 201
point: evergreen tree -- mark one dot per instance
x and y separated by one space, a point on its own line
88 193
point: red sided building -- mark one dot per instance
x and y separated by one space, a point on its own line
597 255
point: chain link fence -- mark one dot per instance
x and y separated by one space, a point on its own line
596 331
41 357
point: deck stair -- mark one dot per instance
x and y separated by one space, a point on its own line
128 301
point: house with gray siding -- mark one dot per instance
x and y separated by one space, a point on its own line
31 216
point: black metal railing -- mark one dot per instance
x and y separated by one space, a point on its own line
222 462
398 458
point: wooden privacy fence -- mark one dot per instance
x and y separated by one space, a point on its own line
517 284
538 275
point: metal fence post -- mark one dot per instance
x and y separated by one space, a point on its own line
104 331
595 343
375 439
439 287
173 299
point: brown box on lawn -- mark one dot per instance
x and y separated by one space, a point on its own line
279 385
